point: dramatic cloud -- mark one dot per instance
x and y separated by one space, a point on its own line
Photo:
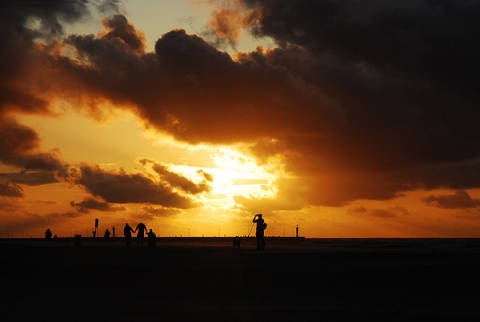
19 147
88 204
460 199
16 139
361 99
350 125
119 28
402 71
227 23
21 26
176 180
191 89
9 189
121 187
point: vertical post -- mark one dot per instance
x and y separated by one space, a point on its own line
297 231
96 226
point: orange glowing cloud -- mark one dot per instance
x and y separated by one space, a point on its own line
228 23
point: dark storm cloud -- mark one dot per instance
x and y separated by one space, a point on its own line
411 37
93 204
16 139
404 72
121 187
363 99
360 97
45 18
460 199
46 15
22 63
21 24
198 93
19 147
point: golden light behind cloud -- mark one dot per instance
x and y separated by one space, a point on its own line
200 114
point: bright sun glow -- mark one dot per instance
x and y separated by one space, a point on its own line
234 174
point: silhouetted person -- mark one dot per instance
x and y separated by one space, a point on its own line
142 229
48 234
152 239
236 242
127 232
260 233
107 234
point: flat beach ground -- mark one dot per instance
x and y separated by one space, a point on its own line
318 279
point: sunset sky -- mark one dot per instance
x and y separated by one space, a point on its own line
346 118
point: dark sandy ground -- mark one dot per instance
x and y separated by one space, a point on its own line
315 280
